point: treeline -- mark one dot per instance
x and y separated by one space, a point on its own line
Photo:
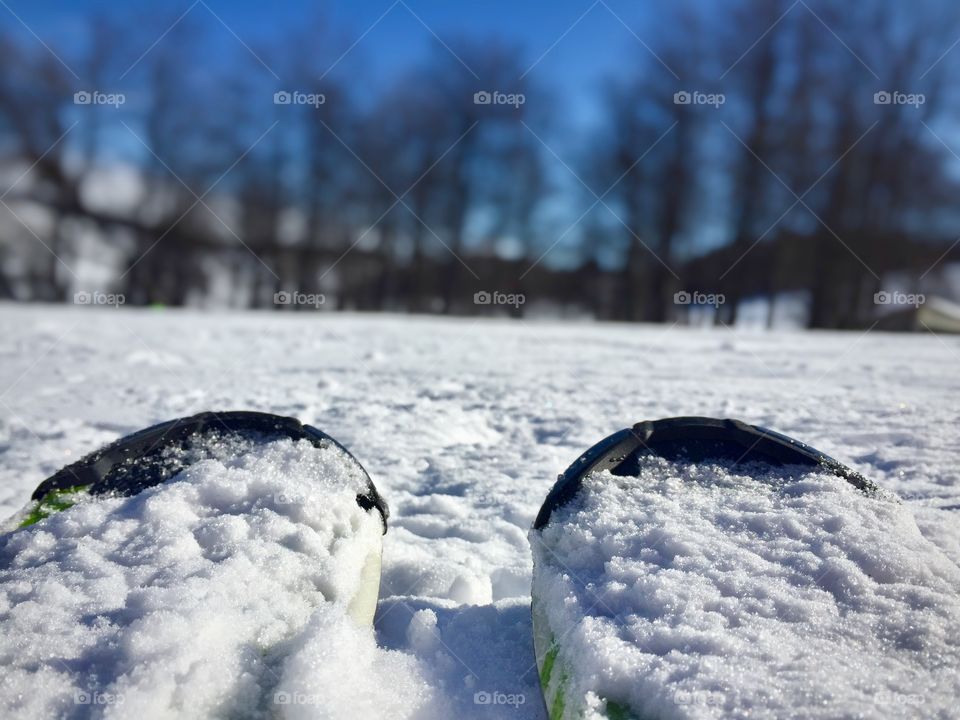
748 150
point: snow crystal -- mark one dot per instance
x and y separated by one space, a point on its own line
705 591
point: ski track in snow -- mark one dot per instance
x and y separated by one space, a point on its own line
464 424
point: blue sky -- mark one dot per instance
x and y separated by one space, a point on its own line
573 59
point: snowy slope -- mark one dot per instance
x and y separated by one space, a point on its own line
463 425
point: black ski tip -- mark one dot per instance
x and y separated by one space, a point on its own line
694 439
131 464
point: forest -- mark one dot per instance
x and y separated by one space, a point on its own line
749 150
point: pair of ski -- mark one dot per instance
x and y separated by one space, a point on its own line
686 567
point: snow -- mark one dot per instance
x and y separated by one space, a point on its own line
463 424
193 597
711 591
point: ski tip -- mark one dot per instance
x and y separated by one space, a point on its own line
123 466
694 439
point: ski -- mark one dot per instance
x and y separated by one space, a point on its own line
185 570
694 567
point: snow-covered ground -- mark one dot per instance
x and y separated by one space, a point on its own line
463 425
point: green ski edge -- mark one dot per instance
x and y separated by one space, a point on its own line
555 675
53 502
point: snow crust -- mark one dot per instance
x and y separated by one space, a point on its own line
709 591
221 593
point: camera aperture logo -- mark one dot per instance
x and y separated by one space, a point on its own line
899 298
495 697
499 298
698 298
96 97
292 297
896 97
99 298
296 97
696 97
495 97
